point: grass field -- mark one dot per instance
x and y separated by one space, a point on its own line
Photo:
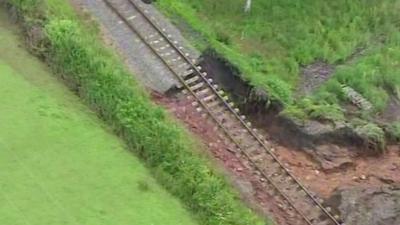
271 44
357 40
58 163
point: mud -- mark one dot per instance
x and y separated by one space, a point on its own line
265 115
325 157
242 176
357 172
363 172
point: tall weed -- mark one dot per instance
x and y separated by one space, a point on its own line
79 58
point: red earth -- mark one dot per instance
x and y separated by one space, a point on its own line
368 171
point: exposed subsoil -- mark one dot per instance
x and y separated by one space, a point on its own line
242 176
363 172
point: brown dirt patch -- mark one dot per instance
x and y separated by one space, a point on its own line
241 175
367 171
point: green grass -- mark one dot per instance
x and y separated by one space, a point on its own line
271 44
376 75
75 52
58 164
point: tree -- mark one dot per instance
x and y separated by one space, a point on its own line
247 7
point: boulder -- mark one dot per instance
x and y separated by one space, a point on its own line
368 206
331 157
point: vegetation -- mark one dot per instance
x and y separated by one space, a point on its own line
278 37
273 42
59 165
371 133
100 79
393 131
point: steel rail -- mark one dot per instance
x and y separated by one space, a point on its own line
233 111
226 104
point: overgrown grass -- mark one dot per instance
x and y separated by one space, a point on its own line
376 76
270 44
371 133
59 163
393 131
97 76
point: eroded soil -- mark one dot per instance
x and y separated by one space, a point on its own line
365 171
242 176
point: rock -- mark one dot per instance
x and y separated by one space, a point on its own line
315 128
368 206
245 187
331 157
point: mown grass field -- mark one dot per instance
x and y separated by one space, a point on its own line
271 45
71 45
58 163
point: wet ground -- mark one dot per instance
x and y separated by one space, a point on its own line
363 172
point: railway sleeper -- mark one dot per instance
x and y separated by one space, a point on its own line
203 92
213 104
197 86
191 80
221 113
209 98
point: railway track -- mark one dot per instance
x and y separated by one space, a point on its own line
211 101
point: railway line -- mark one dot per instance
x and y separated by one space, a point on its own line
214 103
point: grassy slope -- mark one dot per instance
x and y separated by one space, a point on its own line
58 165
270 44
72 47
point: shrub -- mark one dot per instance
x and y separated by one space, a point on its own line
393 131
103 83
371 133
144 126
308 108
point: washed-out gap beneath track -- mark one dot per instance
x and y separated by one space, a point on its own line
263 114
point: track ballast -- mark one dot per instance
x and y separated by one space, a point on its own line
212 102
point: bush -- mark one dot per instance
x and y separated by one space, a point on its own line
144 126
371 133
393 131
308 108
104 84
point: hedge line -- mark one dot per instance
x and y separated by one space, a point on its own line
97 76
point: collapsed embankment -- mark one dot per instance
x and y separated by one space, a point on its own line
269 115
77 56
